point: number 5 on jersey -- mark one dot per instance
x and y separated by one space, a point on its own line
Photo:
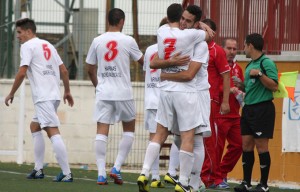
112 51
47 51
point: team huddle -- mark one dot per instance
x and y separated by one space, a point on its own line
194 90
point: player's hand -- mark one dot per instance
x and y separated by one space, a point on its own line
233 90
224 108
180 60
9 97
69 98
237 82
206 28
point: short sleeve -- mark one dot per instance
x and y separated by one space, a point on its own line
135 52
201 52
271 69
91 57
26 55
221 61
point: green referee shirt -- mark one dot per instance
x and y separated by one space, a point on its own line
256 92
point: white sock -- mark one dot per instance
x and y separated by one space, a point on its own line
124 148
174 159
100 149
39 150
186 160
198 162
60 153
151 153
155 169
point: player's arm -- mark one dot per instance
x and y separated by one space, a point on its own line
183 76
65 79
225 108
176 60
141 61
92 72
265 80
18 80
239 84
209 33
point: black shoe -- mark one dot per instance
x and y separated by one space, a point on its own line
260 188
243 187
63 178
34 174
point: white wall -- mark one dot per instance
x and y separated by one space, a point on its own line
77 127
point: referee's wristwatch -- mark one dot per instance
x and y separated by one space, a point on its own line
260 74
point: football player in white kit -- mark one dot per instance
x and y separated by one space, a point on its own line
175 97
108 63
152 78
190 19
43 67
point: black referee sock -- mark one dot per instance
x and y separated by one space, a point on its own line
248 162
265 163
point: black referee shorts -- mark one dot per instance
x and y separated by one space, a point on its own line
258 120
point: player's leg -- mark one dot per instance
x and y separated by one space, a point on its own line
234 148
48 119
186 156
198 162
172 177
39 150
100 150
125 112
223 126
152 152
124 149
61 155
155 178
248 149
150 125
266 128
209 165
104 115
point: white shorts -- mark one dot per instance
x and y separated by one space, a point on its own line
46 114
150 123
111 112
178 108
204 113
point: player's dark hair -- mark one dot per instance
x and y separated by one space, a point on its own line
196 11
163 21
26 23
115 15
256 40
211 24
174 12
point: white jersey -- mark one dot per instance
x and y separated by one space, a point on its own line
171 41
43 73
201 55
152 78
112 52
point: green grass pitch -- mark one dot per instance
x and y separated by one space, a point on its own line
13 179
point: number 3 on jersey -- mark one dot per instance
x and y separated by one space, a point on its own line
47 51
112 51
169 47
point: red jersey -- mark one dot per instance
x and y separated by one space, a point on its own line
217 65
235 70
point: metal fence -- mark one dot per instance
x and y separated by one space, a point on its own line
72 24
